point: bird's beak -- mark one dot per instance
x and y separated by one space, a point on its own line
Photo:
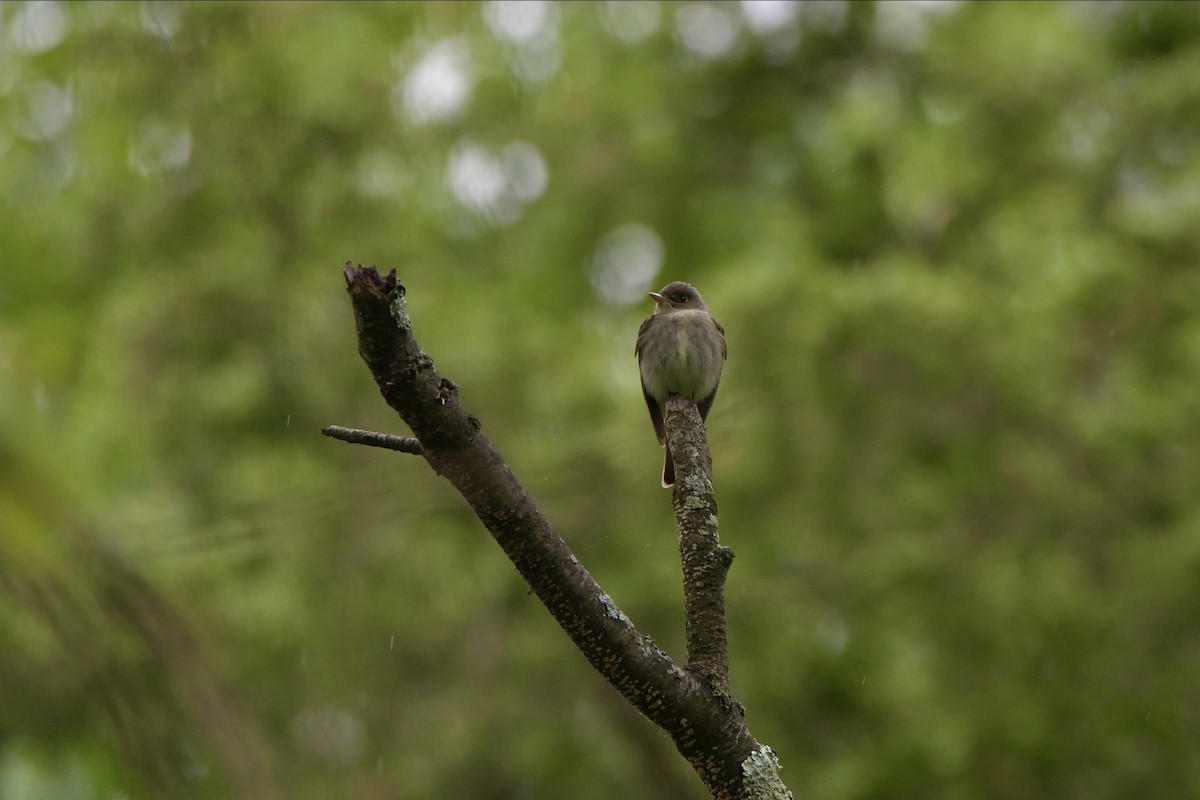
658 298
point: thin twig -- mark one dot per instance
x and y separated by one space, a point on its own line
404 444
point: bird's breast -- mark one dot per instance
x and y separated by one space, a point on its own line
685 358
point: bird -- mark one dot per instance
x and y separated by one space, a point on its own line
680 351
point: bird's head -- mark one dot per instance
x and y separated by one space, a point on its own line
677 296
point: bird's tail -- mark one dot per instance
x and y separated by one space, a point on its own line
668 476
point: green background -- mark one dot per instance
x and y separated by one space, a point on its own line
956 446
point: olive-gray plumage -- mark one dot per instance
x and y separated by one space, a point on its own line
680 350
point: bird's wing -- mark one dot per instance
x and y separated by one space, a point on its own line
655 417
637 347
703 404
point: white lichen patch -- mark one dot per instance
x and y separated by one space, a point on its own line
399 309
612 611
760 776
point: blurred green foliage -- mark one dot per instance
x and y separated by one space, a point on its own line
956 447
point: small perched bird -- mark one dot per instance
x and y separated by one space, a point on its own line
680 350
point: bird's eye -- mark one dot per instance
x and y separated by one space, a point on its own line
681 298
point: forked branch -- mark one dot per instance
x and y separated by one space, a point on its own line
693 704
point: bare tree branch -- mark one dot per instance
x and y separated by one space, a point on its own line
705 561
693 705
